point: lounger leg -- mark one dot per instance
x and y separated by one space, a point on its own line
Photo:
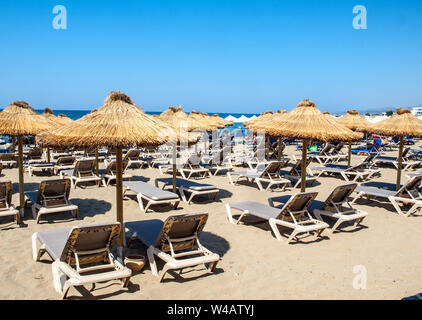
176 204
36 253
360 194
164 271
229 213
152 264
336 225
59 279
230 178
259 184
141 204
277 234
212 266
182 194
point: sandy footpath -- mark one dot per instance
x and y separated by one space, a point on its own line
254 265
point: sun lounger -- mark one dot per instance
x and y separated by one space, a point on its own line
84 171
43 167
81 255
295 174
294 215
374 149
187 186
108 174
64 163
58 153
34 156
133 156
220 161
6 206
270 175
334 207
177 237
52 196
357 172
324 156
187 169
408 194
8 159
151 194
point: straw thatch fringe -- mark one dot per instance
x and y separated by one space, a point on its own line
402 123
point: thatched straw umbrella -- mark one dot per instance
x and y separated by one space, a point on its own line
401 124
266 122
19 119
64 118
263 116
222 121
118 123
307 122
355 122
176 119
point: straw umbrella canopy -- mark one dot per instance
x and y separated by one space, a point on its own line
118 123
263 116
402 123
19 119
197 121
307 122
64 118
222 121
354 121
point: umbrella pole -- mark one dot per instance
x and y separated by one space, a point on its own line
97 165
349 158
279 149
304 160
400 163
21 189
13 143
48 154
174 168
119 194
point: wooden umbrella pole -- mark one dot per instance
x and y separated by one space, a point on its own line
400 163
304 160
279 148
119 193
48 154
97 165
174 168
349 158
21 186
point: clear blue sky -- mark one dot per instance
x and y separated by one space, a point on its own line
222 56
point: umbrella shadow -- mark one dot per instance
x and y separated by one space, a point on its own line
90 207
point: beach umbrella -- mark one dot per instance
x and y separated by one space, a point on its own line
354 121
402 123
307 122
118 123
64 118
176 119
222 121
266 122
19 119
266 115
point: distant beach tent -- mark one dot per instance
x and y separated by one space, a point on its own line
118 123
402 123
307 122
354 121
19 119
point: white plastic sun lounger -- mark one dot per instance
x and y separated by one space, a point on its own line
187 186
43 167
349 174
177 237
151 194
295 174
108 174
52 196
294 215
8 159
270 175
83 172
6 206
81 255
334 207
64 163
408 194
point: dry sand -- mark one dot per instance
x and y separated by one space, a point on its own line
254 265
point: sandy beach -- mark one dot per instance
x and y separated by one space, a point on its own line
254 265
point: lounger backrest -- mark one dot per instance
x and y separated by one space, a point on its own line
410 187
296 206
338 148
65 161
53 193
326 149
112 167
297 167
338 196
5 194
84 168
181 226
95 238
34 154
405 152
132 154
